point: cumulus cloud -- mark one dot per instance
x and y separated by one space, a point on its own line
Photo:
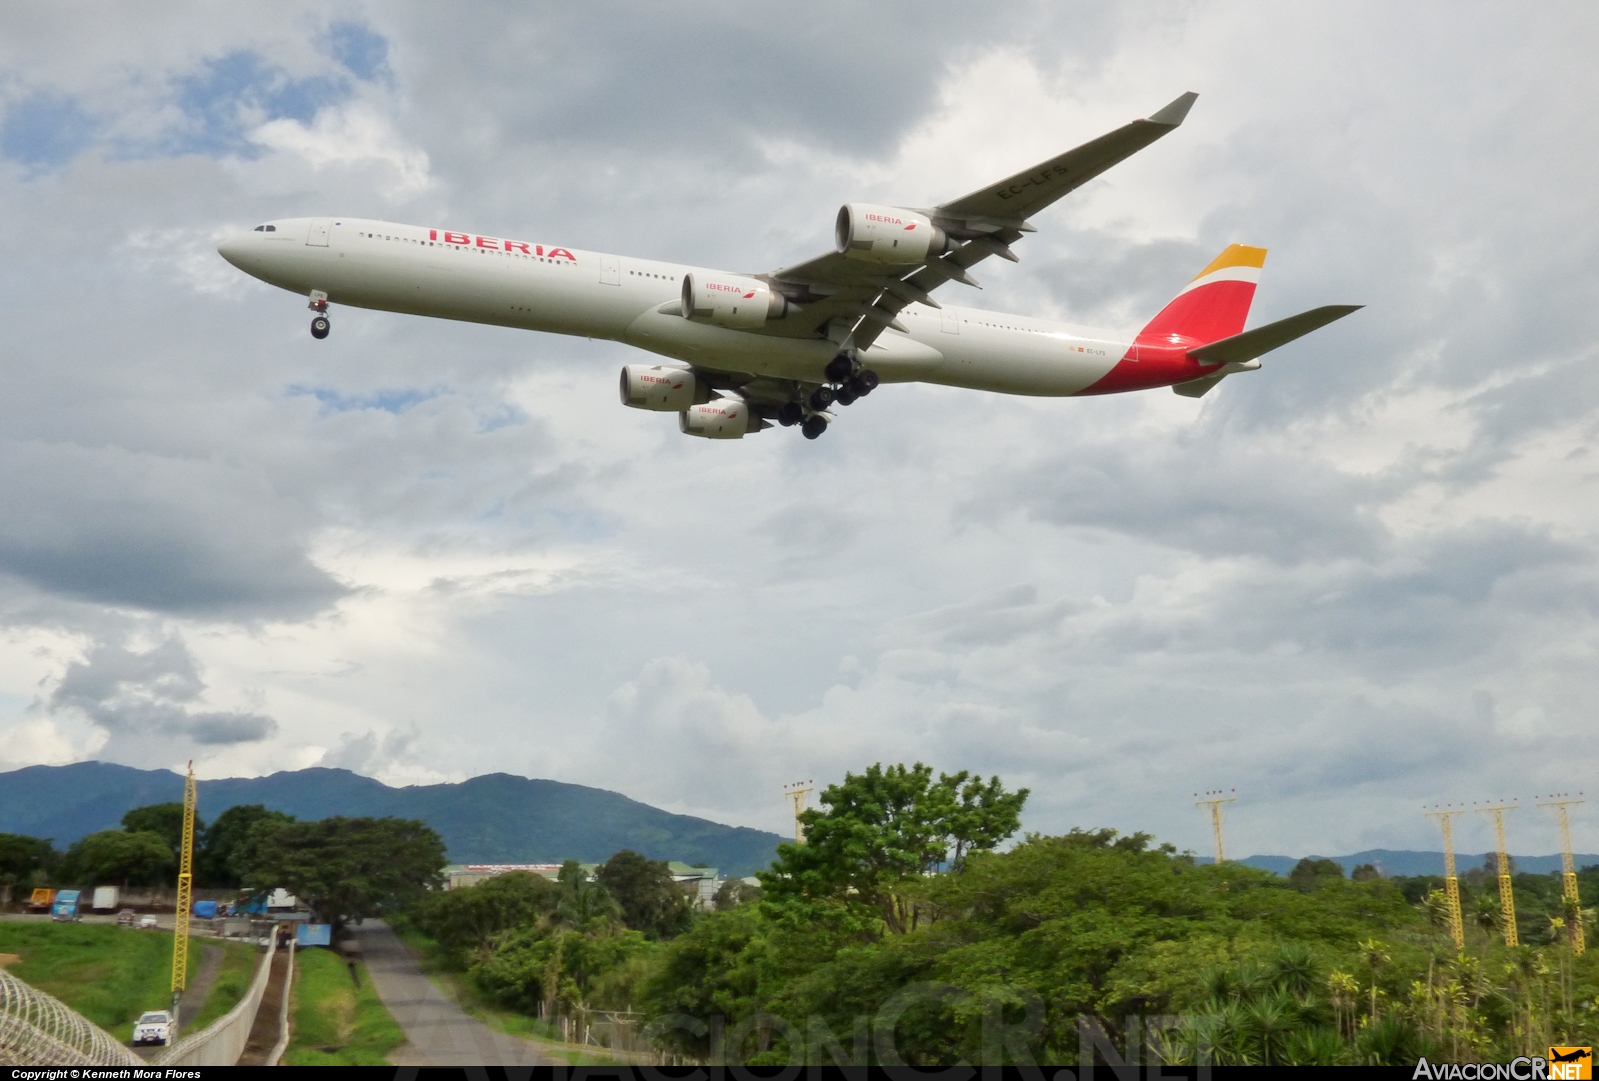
144 699
1360 579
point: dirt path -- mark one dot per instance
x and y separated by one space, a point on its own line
264 1034
437 1031
204 978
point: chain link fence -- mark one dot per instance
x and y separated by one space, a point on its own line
37 1029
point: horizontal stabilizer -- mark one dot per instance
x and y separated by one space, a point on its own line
1262 340
1196 388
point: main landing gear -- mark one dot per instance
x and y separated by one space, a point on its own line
320 325
847 382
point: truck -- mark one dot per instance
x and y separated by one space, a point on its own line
105 898
42 899
65 910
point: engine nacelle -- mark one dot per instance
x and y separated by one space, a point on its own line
887 234
729 300
658 387
724 418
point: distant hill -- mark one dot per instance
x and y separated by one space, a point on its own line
496 818
1404 862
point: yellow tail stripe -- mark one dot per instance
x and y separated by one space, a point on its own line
1235 255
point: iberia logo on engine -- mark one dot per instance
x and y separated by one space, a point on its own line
1570 1064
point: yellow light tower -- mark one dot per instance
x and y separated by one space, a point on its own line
1457 926
180 927
1214 801
1568 867
1507 900
797 794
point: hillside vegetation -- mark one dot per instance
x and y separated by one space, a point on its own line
899 930
113 974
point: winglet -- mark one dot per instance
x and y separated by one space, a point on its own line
1173 114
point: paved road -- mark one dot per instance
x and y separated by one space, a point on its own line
437 1031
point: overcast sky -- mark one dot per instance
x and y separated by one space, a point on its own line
1358 581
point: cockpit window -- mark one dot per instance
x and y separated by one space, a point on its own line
260 228
266 229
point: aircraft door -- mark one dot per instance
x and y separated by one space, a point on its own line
610 270
950 322
318 236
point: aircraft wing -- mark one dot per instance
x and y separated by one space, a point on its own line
864 298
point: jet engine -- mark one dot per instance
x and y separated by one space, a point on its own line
728 300
659 387
886 234
724 418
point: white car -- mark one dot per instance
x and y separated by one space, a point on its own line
147 923
153 1027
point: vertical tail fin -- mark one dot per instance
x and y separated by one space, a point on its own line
1214 305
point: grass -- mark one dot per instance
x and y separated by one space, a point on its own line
336 1024
109 974
233 982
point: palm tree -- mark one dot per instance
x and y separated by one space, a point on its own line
1294 969
1269 1020
1341 991
1375 954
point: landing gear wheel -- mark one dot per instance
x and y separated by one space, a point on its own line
857 386
846 395
790 414
814 426
821 398
320 327
867 379
839 368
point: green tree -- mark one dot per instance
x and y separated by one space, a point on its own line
465 922
582 902
734 892
24 859
1308 873
884 828
118 857
1366 872
714 968
651 902
346 868
224 849
164 820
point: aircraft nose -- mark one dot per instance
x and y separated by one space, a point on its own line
232 249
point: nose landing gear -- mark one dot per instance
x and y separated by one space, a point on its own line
320 325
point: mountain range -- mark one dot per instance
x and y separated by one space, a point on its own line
496 818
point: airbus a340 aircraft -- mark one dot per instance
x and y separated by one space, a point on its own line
788 346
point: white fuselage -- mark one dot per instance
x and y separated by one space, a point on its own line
536 286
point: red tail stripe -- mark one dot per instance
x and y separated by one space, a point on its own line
1213 311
